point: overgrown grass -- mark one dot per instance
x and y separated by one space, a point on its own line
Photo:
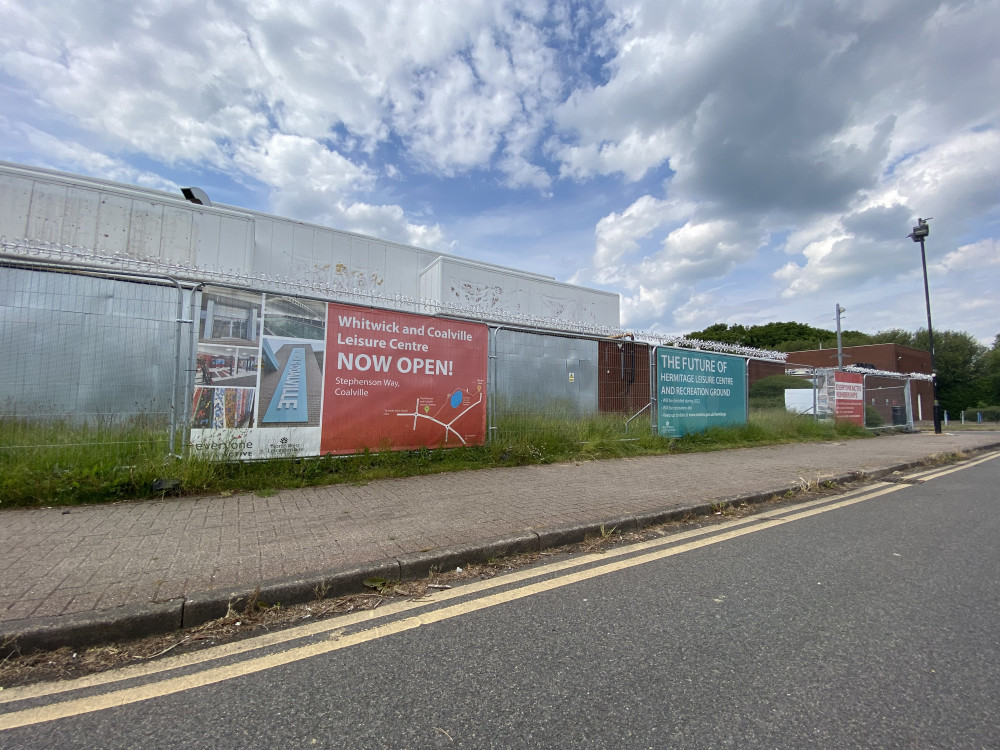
62 464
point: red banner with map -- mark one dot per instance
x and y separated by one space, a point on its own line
399 381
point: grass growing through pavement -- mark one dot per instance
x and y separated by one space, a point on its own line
61 464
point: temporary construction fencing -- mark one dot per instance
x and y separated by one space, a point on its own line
880 400
132 362
888 401
541 378
91 361
130 357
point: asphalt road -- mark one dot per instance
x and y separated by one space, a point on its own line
869 624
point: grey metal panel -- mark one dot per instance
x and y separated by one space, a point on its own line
177 233
15 200
112 223
340 249
532 373
323 260
335 263
430 282
215 244
80 222
390 270
236 239
281 251
357 272
302 252
313 258
263 241
145 228
48 207
84 348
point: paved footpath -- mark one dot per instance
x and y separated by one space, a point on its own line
178 559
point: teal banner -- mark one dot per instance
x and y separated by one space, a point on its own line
696 390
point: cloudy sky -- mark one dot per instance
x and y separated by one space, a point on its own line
734 161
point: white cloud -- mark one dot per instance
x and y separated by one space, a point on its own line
299 166
633 156
707 151
386 222
978 257
203 84
956 179
618 234
698 251
647 304
79 157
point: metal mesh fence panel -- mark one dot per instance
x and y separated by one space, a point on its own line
545 383
90 366
887 402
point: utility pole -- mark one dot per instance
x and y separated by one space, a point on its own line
840 344
919 234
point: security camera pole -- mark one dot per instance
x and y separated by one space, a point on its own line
920 232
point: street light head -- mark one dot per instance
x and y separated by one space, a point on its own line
921 230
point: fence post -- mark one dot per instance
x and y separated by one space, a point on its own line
187 400
864 400
175 398
491 380
908 401
654 400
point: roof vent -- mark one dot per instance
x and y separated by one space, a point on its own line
196 195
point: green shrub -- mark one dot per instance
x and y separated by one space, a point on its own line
872 417
990 413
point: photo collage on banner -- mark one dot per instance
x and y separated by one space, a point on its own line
402 381
258 375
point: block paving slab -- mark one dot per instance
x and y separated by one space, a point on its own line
103 571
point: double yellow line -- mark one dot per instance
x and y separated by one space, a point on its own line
335 638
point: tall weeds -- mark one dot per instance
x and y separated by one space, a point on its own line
59 463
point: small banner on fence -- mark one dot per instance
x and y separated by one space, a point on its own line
849 399
402 381
696 390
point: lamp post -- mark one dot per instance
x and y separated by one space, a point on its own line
919 234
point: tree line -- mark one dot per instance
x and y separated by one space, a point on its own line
968 372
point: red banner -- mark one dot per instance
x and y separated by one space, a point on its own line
850 397
401 381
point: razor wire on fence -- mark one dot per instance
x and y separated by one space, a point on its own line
341 292
102 352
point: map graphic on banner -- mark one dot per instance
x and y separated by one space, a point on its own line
402 381
457 401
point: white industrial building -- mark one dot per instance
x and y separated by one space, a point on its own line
109 219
